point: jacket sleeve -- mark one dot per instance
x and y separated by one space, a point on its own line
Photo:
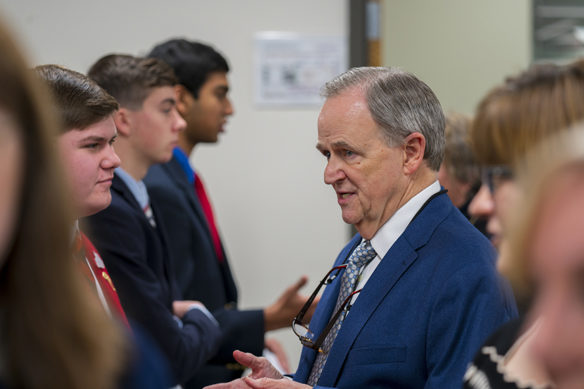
125 244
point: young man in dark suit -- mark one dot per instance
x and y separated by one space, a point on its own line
201 263
128 233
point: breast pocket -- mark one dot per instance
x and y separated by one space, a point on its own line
377 354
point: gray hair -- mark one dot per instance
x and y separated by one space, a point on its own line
400 104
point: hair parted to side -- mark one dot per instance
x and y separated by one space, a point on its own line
459 159
191 61
78 99
130 79
49 317
526 108
400 104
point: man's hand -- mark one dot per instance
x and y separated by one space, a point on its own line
260 368
280 313
270 383
183 306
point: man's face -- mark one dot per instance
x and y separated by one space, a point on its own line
89 161
557 265
155 127
364 171
206 115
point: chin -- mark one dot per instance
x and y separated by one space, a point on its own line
95 207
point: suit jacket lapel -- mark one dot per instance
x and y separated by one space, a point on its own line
324 311
119 186
177 173
396 262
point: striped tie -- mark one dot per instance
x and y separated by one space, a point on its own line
360 257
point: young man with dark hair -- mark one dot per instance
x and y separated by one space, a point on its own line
200 259
129 233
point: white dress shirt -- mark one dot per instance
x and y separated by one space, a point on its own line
392 230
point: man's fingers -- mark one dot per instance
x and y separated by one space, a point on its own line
298 284
246 359
254 384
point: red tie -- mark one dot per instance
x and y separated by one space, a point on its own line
208 210
94 270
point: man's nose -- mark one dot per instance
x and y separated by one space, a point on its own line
333 171
111 159
179 123
229 110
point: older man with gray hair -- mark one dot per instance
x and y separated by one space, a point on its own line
419 280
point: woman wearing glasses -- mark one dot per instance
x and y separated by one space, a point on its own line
511 120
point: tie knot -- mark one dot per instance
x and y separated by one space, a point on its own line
363 254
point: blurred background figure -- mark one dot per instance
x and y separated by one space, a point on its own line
55 333
459 173
547 247
527 109
508 121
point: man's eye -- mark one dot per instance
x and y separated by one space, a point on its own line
91 146
326 154
348 153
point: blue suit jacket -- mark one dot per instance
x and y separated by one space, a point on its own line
136 258
430 304
199 273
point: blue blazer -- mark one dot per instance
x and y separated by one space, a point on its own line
430 304
136 258
199 273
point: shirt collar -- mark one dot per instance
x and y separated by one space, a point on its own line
183 160
75 232
397 224
137 188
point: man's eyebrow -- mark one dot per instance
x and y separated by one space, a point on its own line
94 138
341 144
169 100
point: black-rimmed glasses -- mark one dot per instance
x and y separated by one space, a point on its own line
301 329
494 176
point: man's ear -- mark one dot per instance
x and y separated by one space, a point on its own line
413 146
123 120
183 98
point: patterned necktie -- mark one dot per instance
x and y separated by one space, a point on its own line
360 257
149 215
208 210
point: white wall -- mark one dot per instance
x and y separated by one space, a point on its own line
460 48
277 217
